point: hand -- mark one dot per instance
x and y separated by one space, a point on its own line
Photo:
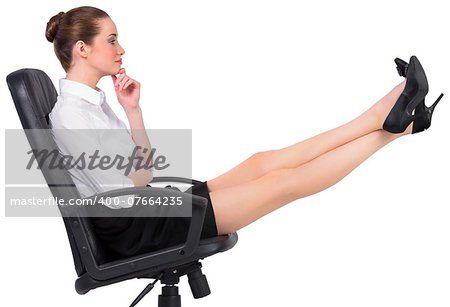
127 90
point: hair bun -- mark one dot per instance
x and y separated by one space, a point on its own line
52 26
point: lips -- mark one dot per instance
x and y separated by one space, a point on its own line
119 61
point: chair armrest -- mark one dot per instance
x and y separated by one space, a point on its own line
175 179
147 260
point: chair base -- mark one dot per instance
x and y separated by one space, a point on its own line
169 297
170 279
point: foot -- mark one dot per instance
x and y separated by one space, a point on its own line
384 106
423 122
413 95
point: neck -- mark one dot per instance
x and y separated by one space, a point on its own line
83 76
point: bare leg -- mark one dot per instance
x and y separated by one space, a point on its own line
240 205
305 151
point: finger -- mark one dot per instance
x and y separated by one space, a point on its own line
121 71
122 74
123 82
128 83
120 79
114 79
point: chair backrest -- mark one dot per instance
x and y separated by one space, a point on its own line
34 96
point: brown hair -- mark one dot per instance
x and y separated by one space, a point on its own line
65 29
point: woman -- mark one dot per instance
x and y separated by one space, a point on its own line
86 43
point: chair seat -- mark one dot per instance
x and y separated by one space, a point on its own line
206 248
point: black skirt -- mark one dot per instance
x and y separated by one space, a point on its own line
129 236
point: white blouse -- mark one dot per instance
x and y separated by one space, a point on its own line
83 123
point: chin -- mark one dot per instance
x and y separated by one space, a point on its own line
112 71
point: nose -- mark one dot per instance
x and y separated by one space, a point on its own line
121 51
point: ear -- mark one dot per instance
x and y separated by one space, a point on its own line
81 49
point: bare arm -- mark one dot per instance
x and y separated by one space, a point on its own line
127 91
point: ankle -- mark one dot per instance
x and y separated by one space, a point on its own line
376 115
383 107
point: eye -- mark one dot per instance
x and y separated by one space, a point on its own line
113 41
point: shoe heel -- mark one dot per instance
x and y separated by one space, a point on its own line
422 118
436 103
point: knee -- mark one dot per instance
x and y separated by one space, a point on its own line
264 161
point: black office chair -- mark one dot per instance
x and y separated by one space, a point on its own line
34 96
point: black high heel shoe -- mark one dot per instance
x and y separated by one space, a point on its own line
423 121
416 88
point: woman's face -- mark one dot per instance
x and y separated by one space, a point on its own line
105 52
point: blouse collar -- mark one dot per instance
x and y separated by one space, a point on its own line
95 96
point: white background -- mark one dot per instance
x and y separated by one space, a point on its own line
249 76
